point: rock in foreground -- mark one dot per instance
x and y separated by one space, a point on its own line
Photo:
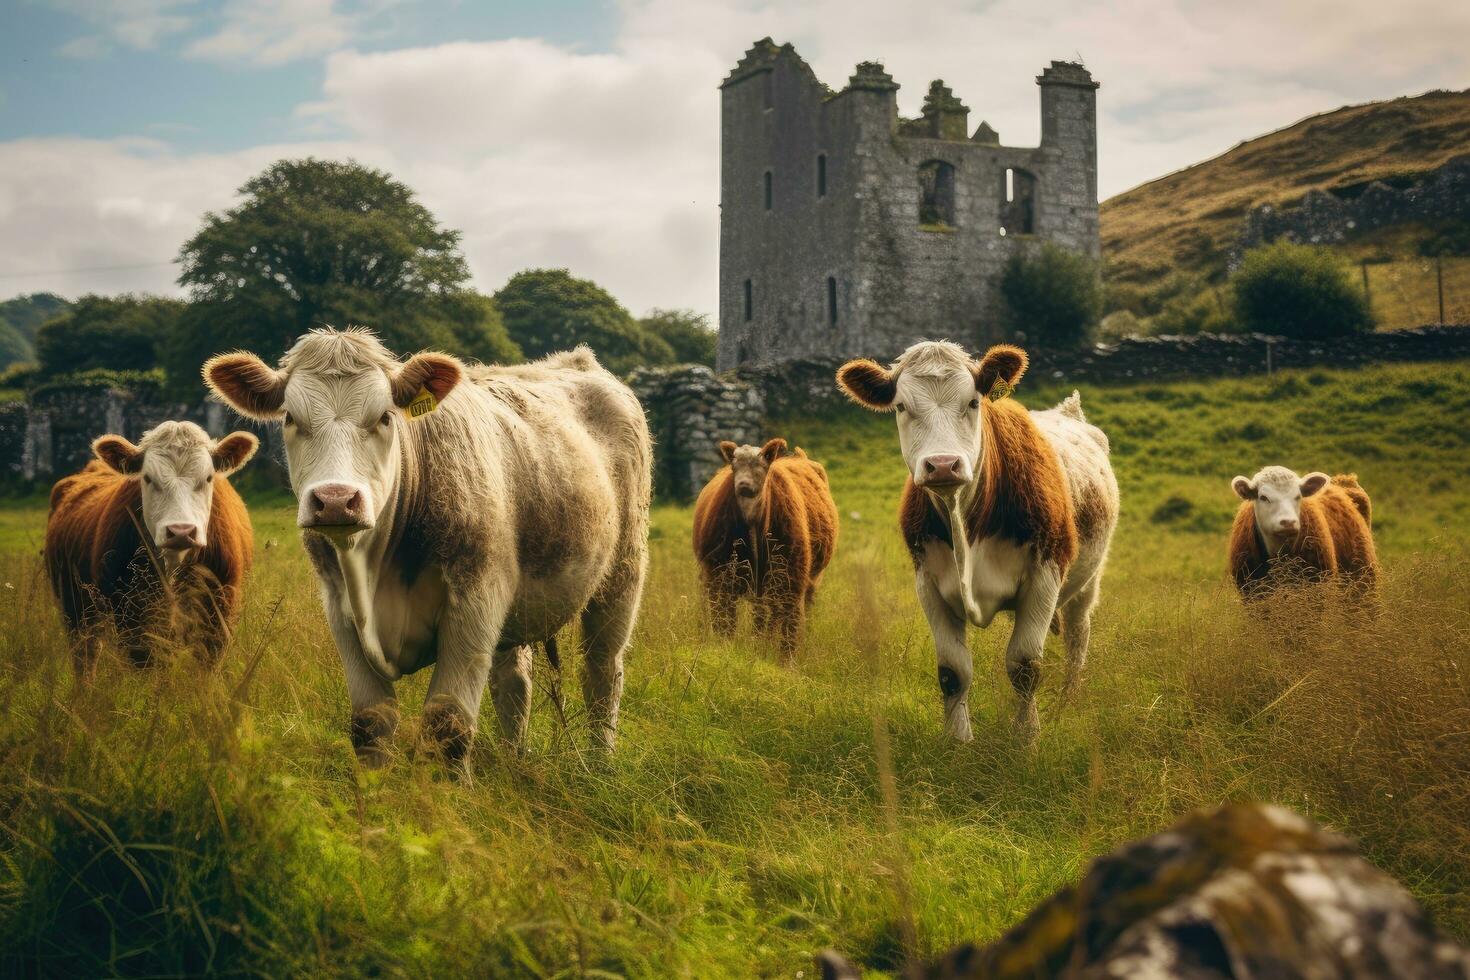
1245 891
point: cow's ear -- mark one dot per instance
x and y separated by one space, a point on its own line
435 373
119 454
1313 482
233 452
1003 364
773 450
727 450
869 384
247 385
1244 489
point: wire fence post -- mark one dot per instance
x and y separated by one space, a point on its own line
1269 345
1439 284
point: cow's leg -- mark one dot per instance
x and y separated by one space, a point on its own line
468 636
374 708
510 685
1076 617
607 622
1035 606
956 667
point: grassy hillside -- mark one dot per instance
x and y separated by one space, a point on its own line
173 822
1188 220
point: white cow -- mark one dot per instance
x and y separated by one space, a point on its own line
1031 493
455 515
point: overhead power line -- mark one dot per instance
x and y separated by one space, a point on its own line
94 268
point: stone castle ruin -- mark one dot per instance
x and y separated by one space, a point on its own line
847 230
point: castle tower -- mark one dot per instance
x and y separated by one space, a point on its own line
846 230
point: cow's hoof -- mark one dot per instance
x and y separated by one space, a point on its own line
372 728
447 727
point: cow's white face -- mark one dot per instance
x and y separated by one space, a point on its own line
748 466
338 396
937 392
176 463
1277 495
341 435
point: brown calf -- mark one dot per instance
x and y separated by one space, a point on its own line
765 528
1312 528
154 538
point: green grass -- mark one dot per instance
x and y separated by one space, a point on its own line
173 821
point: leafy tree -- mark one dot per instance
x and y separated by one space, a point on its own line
118 333
1054 296
548 310
687 332
1303 291
320 242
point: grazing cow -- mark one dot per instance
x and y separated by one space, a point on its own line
1003 509
456 515
1311 528
764 528
149 531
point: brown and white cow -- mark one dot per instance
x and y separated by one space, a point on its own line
765 528
1003 509
1307 528
154 538
455 515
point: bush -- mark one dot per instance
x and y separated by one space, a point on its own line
118 333
1300 291
548 310
1054 296
687 332
1201 312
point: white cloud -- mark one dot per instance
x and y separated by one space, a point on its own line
141 24
608 162
273 32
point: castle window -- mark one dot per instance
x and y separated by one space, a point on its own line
832 301
1018 207
936 195
821 175
749 306
768 190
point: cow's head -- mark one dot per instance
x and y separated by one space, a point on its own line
176 463
938 392
339 395
1277 493
749 465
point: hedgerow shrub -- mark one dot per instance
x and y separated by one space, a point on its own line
1054 296
1299 291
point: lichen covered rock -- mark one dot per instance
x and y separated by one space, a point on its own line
1245 891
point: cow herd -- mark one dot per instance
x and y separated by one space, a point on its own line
458 515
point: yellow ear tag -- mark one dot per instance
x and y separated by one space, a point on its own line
1000 390
423 403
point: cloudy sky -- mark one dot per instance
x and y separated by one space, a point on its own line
585 133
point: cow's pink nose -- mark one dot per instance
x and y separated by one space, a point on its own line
941 469
336 503
180 536
1287 525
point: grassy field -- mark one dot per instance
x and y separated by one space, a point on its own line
173 821
1188 220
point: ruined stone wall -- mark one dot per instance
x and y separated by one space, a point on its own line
50 436
1326 218
690 410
